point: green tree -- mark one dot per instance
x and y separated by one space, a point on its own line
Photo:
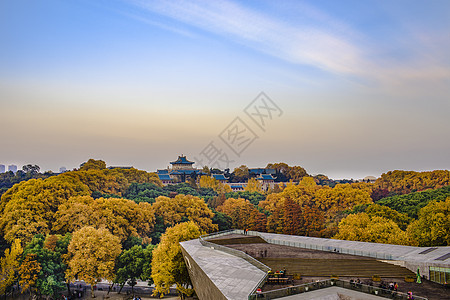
411 204
133 264
91 255
129 267
402 220
32 169
48 253
168 266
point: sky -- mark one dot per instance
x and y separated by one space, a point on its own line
341 88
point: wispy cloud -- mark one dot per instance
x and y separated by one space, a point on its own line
314 38
304 45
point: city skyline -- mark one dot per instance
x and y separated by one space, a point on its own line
363 87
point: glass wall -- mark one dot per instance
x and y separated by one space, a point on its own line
440 275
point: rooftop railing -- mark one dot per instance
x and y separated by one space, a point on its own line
203 240
312 246
309 287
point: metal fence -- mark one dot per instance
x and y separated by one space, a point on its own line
312 246
238 253
309 287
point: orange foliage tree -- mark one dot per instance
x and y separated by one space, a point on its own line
244 215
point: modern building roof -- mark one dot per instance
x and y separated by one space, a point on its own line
182 160
219 176
235 277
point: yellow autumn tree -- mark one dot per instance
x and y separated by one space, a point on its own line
93 164
133 175
361 227
216 185
340 198
91 255
433 226
288 216
404 182
29 272
121 217
9 265
28 208
100 181
274 204
244 215
241 173
168 266
254 185
183 208
303 193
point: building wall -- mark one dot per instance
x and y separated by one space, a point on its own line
204 287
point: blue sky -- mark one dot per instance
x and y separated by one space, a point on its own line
363 85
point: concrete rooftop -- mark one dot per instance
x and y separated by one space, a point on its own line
233 276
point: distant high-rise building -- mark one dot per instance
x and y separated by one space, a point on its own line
62 169
2 168
12 168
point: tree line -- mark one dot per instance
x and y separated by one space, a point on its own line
124 225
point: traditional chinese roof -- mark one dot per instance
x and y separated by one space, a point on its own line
265 177
237 186
262 171
219 176
182 160
164 177
162 171
186 172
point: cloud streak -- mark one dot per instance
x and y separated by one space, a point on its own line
297 44
313 39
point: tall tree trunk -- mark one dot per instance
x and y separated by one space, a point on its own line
110 288
68 289
121 287
92 291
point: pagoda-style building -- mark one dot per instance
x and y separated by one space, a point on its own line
182 169
182 163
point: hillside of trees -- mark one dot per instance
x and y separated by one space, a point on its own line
125 225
